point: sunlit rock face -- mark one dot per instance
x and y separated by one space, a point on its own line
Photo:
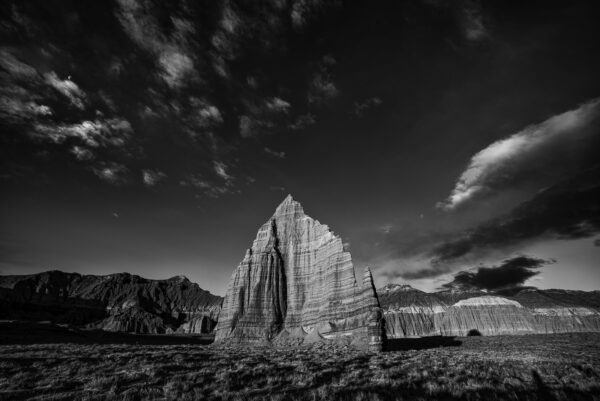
297 284
412 313
486 315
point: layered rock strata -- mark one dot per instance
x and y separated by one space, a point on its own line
409 312
117 302
487 315
297 284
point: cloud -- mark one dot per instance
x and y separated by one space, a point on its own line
176 66
274 153
263 116
277 188
277 105
111 172
568 210
202 114
68 88
196 181
321 90
510 273
174 59
303 121
361 107
152 177
113 132
528 155
473 21
81 153
304 11
246 127
206 188
15 67
221 170
16 110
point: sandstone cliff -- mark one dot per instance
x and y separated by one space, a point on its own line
296 283
412 313
117 302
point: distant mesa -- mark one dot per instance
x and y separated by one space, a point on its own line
297 285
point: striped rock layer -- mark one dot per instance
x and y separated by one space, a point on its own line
412 313
296 284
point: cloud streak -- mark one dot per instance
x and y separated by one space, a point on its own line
523 155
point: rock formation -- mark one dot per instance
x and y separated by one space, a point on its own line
409 312
296 284
117 302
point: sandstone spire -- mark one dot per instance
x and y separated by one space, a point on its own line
296 281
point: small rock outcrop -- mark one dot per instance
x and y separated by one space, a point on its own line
297 284
118 302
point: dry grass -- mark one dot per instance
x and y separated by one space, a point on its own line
536 367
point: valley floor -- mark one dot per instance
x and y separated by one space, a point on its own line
535 367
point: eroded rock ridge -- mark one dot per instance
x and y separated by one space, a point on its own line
118 302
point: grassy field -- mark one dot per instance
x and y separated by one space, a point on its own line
535 367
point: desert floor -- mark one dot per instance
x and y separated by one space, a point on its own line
110 367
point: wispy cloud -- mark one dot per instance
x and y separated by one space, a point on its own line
221 170
81 153
15 67
68 88
303 121
205 187
175 62
304 11
113 132
274 153
360 108
152 177
263 116
322 89
277 105
517 158
473 21
112 172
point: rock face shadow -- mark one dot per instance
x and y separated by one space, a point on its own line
405 344
28 333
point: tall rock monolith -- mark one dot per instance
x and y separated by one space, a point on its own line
296 284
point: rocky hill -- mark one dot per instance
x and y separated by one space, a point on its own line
297 284
117 302
411 313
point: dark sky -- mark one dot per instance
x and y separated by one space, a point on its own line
437 137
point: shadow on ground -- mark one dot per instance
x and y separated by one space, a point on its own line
25 333
405 344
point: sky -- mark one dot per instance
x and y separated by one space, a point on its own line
450 143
